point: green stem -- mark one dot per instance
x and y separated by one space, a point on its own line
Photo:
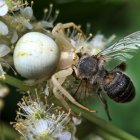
104 125
104 134
98 123
87 128
17 83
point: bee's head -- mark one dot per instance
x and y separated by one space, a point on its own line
87 67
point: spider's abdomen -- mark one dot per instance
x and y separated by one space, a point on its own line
121 88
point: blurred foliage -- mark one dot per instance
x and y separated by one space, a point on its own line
109 16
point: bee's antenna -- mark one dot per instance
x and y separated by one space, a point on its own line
104 102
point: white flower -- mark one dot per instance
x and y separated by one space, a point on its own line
3 28
36 120
4 50
64 136
25 22
3 8
46 128
27 15
27 12
76 120
48 20
46 90
90 45
98 41
14 5
14 37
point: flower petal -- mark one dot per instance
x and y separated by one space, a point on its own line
3 28
3 8
76 120
27 12
46 91
27 24
4 50
64 136
98 41
2 73
14 37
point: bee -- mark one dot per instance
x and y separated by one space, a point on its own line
117 85
92 69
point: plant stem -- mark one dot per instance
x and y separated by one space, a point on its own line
104 125
104 134
101 126
87 128
18 84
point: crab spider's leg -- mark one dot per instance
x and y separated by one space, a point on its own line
61 39
57 94
61 78
61 26
56 91
65 73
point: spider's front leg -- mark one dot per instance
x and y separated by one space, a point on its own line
61 27
57 93
58 84
61 38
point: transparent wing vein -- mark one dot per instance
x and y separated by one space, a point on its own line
123 49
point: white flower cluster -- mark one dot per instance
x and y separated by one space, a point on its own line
37 120
10 5
91 44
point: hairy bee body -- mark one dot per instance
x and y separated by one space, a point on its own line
121 88
116 84
94 72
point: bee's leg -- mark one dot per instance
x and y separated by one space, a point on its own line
74 94
63 91
104 102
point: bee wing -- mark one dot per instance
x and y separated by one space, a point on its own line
123 49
